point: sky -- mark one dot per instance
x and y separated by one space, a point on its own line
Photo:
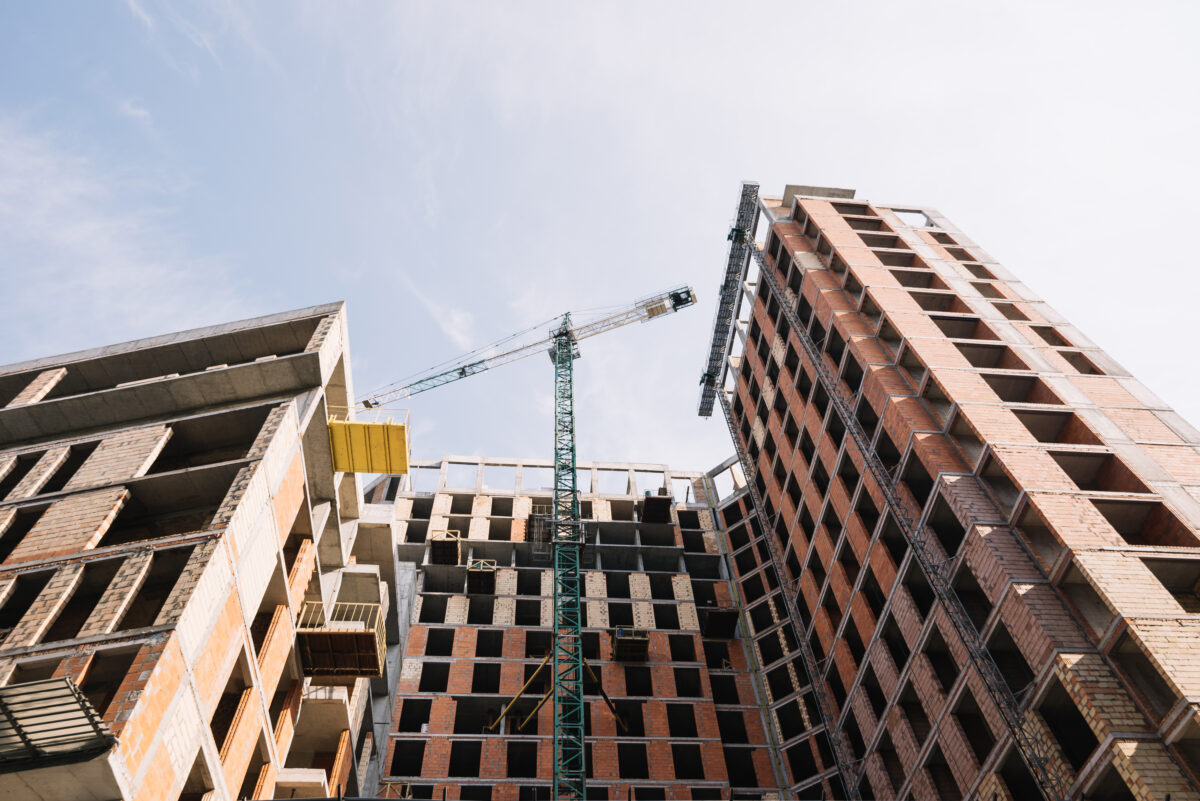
459 171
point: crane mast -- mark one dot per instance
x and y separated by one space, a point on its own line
565 528
567 540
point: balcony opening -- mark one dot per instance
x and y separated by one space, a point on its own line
681 720
1075 737
997 357
739 763
465 758
28 587
1011 661
162 507
917 479
1181 577
1037 536
632 762
414 713
1020 388
892 763
79 607
231 698
485 678
439 642
872 594
434 677
1064 428
724 689
211 439
1082 364
941 775
407 758
732 726
20 468
941 660
1146 523
963 435
687 683
971 597
893 540
941 302
1086 601
1004 491
890 338
1098 472
18 526
914 713
893 639
1110 787
945 526
1142 676
918 589
852 374
76 456
974 726
874 692
638 682
956 327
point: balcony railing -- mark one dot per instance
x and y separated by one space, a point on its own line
341 639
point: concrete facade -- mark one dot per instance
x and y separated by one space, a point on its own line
1054 500
167 509
689 719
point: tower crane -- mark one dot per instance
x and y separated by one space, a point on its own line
565 529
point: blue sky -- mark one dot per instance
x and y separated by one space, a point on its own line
460 171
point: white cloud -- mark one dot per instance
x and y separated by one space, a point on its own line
457 324
139 13
86 260
131 109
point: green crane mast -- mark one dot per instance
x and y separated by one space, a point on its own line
565 529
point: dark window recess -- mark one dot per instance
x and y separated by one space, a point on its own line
414 712
630 713
914 713
434 677
872 594
887 451
1098 472
946 527
687 683
1012 388
20 525
941 660
732 725
1070 729
918 480
739 762
895 768
941 775
870 685
867 511
1010 660
894 640
439 642
464 758
408 757
919 589
724 689
1065 428
801 761
1140 673
19 470
490 643
632 762
688 761
681 720
107 672
79 607
893 540
637 681
1146 523
28 586
76 456
166 567
974 726
972 597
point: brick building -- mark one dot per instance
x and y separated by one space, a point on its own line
969 535
673 697
190 606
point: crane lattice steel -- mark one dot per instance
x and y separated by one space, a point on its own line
566 530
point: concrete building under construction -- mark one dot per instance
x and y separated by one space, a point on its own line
969 533
954 556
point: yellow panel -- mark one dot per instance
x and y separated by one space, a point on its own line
369 447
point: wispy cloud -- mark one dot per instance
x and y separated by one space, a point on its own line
457 324
139 13
87 256
132 110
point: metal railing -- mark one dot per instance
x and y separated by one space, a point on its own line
344 617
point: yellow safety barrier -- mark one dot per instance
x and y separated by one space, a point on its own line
377 445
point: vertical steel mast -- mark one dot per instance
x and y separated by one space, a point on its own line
567 540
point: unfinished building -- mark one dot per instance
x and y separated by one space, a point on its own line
673 697
190 606
968 533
